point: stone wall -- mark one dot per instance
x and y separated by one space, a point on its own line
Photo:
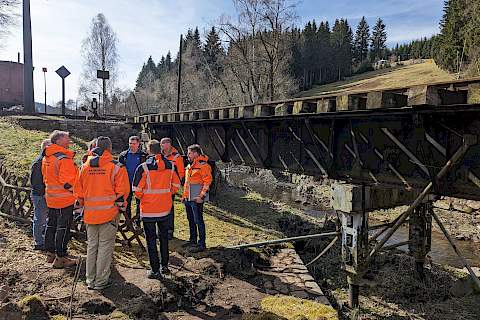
87 130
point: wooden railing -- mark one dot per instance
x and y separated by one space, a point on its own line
15 204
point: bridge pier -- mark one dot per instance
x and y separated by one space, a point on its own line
352 204
349 201
420 235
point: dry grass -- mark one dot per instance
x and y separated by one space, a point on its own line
401 76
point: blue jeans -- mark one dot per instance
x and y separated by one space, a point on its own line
40 214
195 222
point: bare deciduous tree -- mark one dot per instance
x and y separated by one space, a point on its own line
99 51
8 17
258 47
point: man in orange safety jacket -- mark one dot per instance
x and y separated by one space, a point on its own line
154 183
59 174
102 188
198 178
172 155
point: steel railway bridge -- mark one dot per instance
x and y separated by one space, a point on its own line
396 146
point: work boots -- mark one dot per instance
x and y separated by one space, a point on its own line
50 257
64 262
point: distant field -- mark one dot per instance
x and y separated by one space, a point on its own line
399 76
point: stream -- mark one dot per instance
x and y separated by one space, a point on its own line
441 252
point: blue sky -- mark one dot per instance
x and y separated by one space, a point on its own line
153 27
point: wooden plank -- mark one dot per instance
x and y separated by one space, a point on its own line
473 96
423 95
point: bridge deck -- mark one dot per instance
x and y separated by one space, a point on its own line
396 145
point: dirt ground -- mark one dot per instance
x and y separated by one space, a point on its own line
217 284
222 283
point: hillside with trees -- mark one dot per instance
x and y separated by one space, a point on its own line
260 55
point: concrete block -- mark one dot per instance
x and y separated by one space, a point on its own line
325 105
348 197
420 95
262 111
283 109
246 112
385 99
473 93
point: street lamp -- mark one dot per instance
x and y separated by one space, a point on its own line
45 81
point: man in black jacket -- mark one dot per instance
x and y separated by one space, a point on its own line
38 199
131 159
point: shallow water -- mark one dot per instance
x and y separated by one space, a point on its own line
441 252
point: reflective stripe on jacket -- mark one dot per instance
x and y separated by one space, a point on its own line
101 182
154 183
197 173
59 174
175 158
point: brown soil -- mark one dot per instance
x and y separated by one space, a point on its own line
216 284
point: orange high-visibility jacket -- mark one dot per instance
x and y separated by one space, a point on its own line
101 182
177 159
59 174
197 173
154 183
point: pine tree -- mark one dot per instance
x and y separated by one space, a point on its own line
342 39
213 49
362 37
378 40
168 61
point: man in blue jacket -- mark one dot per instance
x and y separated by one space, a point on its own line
131 159
37 195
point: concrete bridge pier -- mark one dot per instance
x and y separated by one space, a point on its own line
352 204
349 203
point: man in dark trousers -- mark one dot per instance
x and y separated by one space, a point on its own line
172 155
131 159
59 174
198 178
40 211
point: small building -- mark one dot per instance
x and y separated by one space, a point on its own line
381 64
11 84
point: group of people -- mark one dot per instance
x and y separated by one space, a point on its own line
103 188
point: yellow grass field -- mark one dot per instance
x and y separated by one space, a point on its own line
399 76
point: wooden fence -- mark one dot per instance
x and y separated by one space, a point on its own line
16 204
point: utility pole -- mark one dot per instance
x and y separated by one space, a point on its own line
179 84
28 99
45 82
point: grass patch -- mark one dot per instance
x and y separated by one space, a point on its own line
292 308
18 147
224 228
